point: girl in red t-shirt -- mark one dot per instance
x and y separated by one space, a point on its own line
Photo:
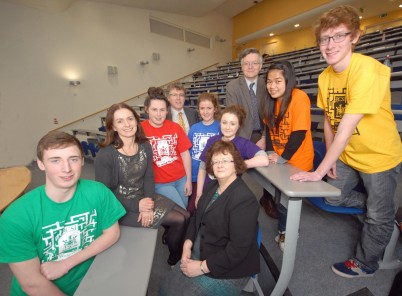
170 147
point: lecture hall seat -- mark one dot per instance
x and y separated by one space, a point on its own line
388 261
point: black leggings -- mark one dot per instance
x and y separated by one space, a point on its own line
176 221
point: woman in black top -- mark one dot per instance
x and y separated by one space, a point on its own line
220 252
124 164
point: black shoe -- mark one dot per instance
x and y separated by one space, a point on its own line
172 262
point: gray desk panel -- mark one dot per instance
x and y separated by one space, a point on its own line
123 269
279 175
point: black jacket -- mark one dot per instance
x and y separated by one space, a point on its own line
228 231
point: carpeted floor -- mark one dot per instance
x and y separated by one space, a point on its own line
324 239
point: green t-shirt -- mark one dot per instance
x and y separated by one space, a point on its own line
35 226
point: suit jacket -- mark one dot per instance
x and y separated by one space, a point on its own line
191 114
237 92
228 231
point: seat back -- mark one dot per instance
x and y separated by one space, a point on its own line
388 261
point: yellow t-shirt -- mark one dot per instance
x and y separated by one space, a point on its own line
363 88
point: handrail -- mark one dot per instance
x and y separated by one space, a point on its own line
135 97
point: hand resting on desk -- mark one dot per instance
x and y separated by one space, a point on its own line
306 176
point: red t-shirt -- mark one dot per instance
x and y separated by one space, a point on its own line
167 142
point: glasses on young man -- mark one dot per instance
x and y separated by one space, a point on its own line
338 37
223 161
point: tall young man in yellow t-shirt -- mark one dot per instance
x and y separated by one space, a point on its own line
360 134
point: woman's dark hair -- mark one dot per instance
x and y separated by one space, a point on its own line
268 107
226 148
112 137
236 110
155 93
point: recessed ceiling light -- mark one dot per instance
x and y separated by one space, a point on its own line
360 17
271 34
297 25
400 5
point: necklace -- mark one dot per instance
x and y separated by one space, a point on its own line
135 148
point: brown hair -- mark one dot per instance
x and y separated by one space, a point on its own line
112 137
210 97
236 110
176 85
226 148
155 93
57 140
344 14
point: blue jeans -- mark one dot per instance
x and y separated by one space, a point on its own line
379 203
282 216
174 191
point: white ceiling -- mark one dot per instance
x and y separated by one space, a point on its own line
197 8
228 8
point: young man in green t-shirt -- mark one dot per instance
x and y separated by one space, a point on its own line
50 235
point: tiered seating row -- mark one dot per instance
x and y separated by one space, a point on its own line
308 65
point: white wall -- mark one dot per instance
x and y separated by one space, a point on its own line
40 52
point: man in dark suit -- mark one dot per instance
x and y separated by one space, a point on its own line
184 116
249 91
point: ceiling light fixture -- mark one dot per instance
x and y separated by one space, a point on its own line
297 25
271 34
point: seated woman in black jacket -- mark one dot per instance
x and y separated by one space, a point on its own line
220 252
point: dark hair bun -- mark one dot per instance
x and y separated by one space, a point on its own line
155 91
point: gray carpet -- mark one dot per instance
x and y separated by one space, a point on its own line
324 239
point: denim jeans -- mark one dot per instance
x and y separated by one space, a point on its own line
174 191
379 203
282 216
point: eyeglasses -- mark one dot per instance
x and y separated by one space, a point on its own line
252 64
177 95
339 37
223 161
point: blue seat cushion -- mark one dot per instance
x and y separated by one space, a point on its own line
319 202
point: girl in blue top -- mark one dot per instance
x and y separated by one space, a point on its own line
199 133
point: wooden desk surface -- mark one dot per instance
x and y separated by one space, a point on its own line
278 175
13 182
124 268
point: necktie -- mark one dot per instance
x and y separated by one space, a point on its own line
254 105
181 121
